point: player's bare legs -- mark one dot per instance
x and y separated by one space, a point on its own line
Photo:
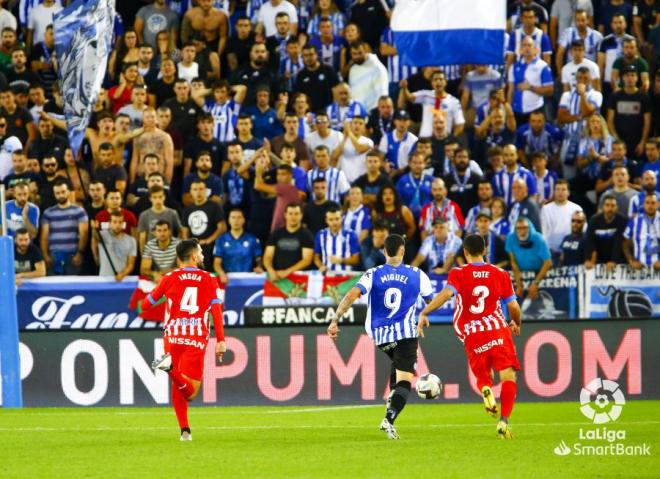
507 399
396 402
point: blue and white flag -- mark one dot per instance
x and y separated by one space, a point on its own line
449 32
83 42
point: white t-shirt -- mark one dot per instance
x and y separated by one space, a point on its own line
352 163
449 104
556 222
40 17
570 69
9 146
187 73
268 12
332 141
7 20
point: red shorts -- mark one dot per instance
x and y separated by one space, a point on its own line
187 355
488 351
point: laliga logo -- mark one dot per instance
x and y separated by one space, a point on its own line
608 393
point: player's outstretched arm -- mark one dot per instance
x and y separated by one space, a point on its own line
515 315
441 298
344 306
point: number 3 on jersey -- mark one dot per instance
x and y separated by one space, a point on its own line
392 300
481 292
189 300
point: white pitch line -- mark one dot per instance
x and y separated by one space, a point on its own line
299 427
321 409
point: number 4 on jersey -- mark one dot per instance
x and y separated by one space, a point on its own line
189 300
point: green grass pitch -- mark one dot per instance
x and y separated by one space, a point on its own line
437 440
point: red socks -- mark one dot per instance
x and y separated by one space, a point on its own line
182 384
507 397
180 405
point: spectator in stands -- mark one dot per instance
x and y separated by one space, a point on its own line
523 205
183 107
239 44
156 141
314 215
485 200
158 211
212 22
367 76
20 174
113 202
328 42
504 179
641 245
528 251
120 95
371 250
398 144
572 246
21 214
538 136
545 179
48 173
337 183
530 80
610 10
236 251
204 141
95 202
264 118
580 31
156 179
47 142
649 185
117 251
631 58
335 248
19 119
204 220
381 118
28 260
351 154
268 12
291 136
159 256
64 233
414 188
629 113
235 180
284 190
528 29
652 151
289 249
463 180
112 175
556 217
154 18
344 107
374 179
371 17
257 74
493 132
203 167
495 250
604 236
19 76
323 134
620 190
435 101
438 250
390 210
570 70
138 188
357 216
440 207
135 109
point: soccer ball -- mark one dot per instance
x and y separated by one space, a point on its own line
429 386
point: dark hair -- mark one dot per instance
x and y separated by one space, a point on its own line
117 214
21 231
106 146
293 205
203 153
474 245
609 196
156 189
161 223
332 207
287 168
185 248
236 209
321 148
380 206
204 117
319 179
151 155
562 182
527 9
393 243
538 155
113 190
379 225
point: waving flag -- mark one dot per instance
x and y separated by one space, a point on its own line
83 41
449 32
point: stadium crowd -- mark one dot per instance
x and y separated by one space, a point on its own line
289 136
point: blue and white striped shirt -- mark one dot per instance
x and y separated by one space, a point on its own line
545 185
343 245
396 70
338 20
393 292
397 151
541 41
224 119
357 220
537 73
591 42
338 184
292 67
63 224
503 180
644 232
338 114
570 101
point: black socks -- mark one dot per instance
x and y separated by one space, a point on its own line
398 400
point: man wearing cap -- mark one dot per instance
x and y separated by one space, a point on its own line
398 144
630 60
629 114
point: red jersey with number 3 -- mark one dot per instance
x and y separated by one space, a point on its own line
189 294
478 288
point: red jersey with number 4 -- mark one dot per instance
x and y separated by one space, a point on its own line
190 295
478 288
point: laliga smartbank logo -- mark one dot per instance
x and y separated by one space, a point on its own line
601 402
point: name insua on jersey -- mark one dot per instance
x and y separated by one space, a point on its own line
190 276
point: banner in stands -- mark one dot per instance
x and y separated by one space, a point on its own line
296 366
620 293
557 296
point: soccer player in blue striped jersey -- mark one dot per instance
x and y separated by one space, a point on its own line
335 249
393 290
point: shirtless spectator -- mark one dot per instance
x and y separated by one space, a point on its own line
210 21
153 140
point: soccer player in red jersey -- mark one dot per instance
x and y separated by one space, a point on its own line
479 323
192 297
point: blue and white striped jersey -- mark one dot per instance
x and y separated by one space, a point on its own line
396 70
397 150
357 220
592 42
503 180
292 67
343 245
338 114
393 292
644 232
571 101
224 119
338 184
545 185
